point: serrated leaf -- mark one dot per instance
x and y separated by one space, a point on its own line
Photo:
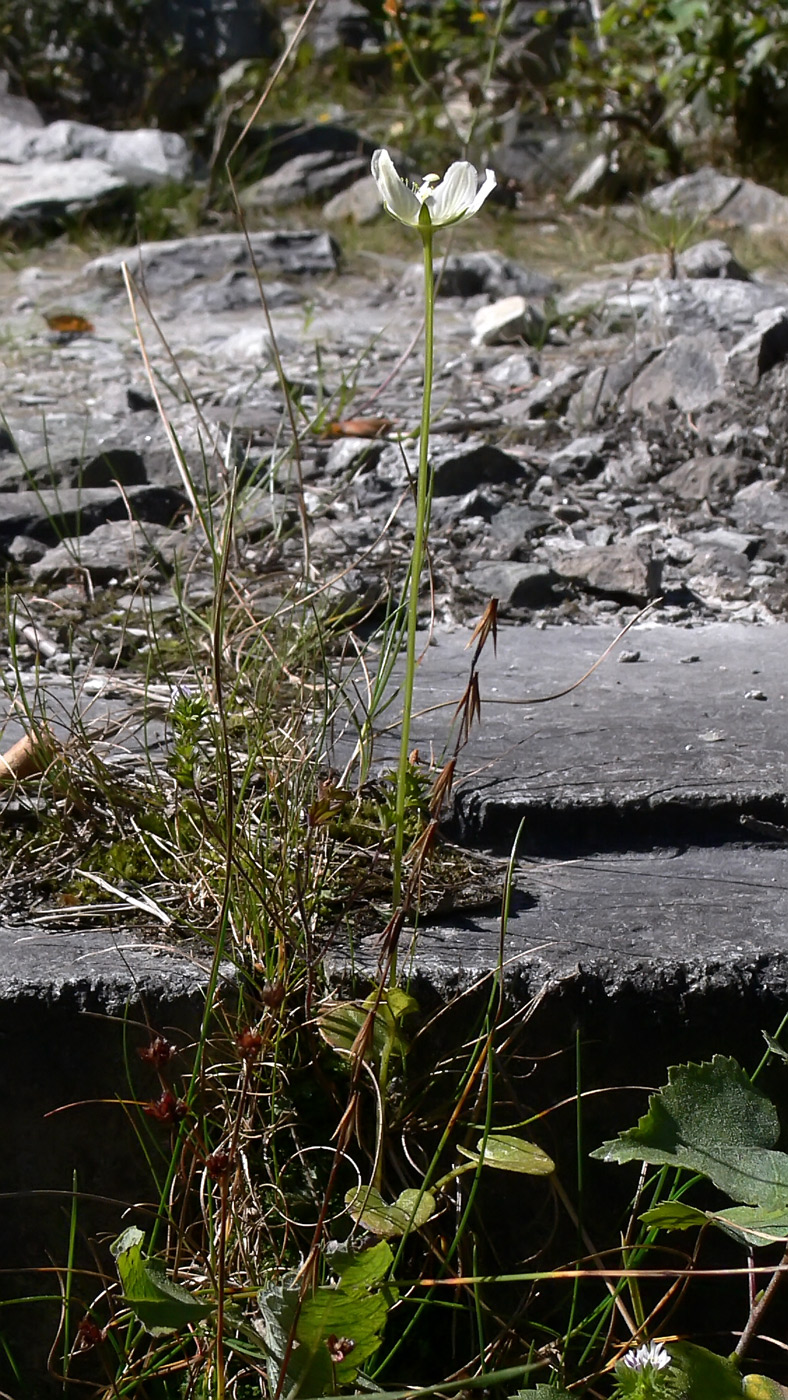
711 1119
705 1375
362 1268
161 1305
674 1215
762 1388
511 1154
410 1211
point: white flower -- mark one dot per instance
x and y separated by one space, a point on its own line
434 203
653 1356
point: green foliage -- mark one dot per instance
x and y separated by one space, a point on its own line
336 1327
411 1210
161 1305
711 1119
707 61
510 1154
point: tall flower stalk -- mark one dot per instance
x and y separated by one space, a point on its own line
432 205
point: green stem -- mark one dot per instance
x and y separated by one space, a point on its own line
423 492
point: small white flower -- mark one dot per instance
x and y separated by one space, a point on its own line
448 201
653 1356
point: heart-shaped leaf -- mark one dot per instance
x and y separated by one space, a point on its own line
511 1154
410 1211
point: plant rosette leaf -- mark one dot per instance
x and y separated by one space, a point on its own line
752 1225
711 1119
411 1210
161 1305
542 1392
510 1154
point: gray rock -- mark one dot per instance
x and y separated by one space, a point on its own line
360 203
582 457
141 157
41 190
481 274
313 175
549 396
762 504
17 109
512 373
605 385
341 24
515 585
674 307
621 571
120 464
690 373
511 319
112 553
711 258
239 289
350 455
50 516
727 199
458 469
171 264
762 348
700 195
713 479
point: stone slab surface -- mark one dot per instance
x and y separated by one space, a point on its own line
653 749
661 918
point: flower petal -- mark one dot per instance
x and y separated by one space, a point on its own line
453 195
398 198
481 194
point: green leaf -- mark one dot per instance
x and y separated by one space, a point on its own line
753 1225
711 1119
410 1211
161 1305
352 1314
674 1215
705 1375
775 1046
761 1388
542 1392
511 1154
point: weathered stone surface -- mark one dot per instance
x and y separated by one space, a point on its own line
177 261
700 195
761 503
712 479
762 348
727 199
690 374
515 585
43 190
623 571
482 273
112 553
711 258
50 515
15 108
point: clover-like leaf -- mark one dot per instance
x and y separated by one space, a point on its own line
511 1154
674 1215
711 1119
410 1211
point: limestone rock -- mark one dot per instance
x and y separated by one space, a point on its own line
173 262
527 585
312 175
360 203
727 199
510 319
